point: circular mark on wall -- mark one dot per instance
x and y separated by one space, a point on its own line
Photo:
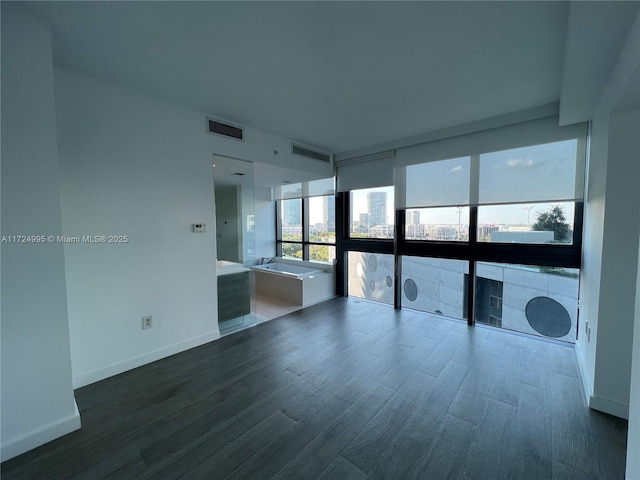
372 285
373 263
548 317
389 280
359 270
410 289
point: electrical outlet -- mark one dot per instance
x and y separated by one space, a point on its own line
147 322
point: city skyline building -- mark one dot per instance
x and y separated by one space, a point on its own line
377 208
291 212
329 212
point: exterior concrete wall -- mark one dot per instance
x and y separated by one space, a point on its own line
440 285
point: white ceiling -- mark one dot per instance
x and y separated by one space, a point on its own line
631 95
335 75
596 33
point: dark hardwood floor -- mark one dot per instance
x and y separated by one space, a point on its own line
347 389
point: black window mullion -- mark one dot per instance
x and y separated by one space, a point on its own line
278 229
398 238
305 228
279 220
473 224
341 270
471 293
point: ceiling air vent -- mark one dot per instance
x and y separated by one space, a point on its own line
305 152
225 129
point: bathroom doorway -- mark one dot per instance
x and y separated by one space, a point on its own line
235 242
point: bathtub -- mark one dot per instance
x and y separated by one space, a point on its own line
287 269
295 284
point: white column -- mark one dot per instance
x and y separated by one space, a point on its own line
37 393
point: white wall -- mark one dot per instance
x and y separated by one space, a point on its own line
37 393
132 165
633 440
610 248
592 250
124 164
619 265
139 166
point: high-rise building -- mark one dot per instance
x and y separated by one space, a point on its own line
415 217
291 212
329 212
363 224
377 208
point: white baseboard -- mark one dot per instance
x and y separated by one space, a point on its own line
593 401
40 436
609 406
585 378
135 362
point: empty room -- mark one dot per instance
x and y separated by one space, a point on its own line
333 240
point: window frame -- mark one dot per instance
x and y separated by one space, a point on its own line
305 243
349 219
548 255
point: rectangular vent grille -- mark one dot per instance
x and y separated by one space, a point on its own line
305 152
226 130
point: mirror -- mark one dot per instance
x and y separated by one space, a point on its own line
235 242
235 211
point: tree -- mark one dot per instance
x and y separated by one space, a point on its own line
292 250
319 253
553 220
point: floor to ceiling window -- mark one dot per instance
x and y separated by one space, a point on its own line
306 221
487 227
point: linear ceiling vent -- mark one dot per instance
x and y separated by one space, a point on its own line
225 129
305 152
